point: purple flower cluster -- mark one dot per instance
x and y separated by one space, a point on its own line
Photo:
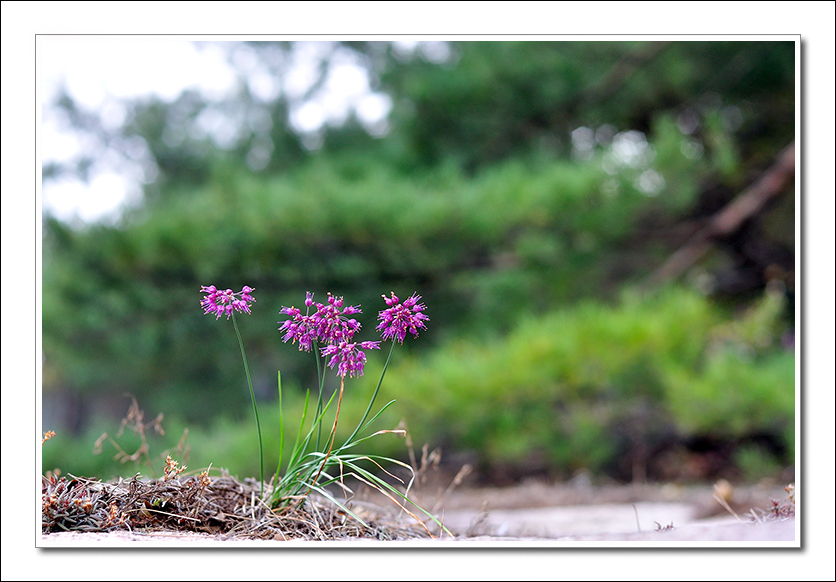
401 318
349 357
223 302
331 326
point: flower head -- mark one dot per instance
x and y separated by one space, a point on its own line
328 325
223 302
401 318
349 357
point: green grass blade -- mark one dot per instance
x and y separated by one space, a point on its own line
374 395
281 431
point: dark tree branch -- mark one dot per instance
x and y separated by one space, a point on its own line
771 183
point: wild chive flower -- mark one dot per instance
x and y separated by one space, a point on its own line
330 329
401 318
298 328
349 357
223 302
328 325
331 323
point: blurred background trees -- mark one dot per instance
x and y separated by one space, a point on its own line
529 191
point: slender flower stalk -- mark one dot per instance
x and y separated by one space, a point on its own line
332 437
227 303
374 397
255 408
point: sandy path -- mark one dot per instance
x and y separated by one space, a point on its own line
536 513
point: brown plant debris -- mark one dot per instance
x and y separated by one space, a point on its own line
778 510
220 505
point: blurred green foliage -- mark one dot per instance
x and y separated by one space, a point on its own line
587 386
592 387
523 190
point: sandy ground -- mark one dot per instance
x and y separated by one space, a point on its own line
539 514
707 534
617 523
578 512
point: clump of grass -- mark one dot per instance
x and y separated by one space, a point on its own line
220 505
317 461
317 464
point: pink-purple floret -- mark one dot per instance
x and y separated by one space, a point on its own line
223 302
330 326
401 318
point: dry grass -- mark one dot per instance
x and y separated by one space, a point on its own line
779 510
216 505
219 505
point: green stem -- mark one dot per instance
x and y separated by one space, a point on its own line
281 433
255 408
374 396
333 436
320 377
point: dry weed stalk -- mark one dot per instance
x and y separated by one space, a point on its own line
134 420
430 460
